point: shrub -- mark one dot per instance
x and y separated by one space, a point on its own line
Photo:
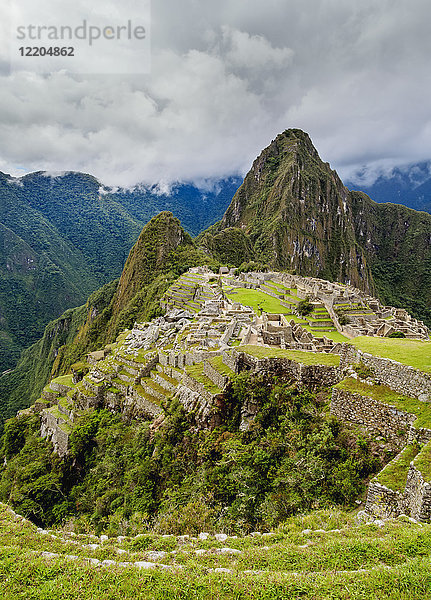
304 307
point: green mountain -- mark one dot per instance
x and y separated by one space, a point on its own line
61 237
297 215
162 252
58 243
251 420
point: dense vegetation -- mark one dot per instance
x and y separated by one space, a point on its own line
61 237
161 254
23 385
123 477
410 186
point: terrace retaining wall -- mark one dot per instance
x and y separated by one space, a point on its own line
402 378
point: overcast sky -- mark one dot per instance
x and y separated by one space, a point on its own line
226 77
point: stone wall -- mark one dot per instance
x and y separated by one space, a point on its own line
216 377
206 409
313 376
418 495
414 500
197 387
401 378
51 427
383 502
230 361
421 435
379 418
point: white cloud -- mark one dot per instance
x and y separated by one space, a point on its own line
226 78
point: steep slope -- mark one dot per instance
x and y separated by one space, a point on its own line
196 207
296 212
22 385
42 273
397 243
161 254
299 216
62 236
163 251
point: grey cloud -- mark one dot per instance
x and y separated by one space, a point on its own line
226 77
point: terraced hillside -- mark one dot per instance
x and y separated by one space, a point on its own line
327 554
217 326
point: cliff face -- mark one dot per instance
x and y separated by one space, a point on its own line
299 216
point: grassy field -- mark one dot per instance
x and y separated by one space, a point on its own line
306 358
257 299
321 556
415 353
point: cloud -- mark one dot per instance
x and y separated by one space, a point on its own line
226 78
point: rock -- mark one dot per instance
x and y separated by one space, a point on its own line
227 551
182 539
221 537
104 538
204 536
91 546
142 564
154 555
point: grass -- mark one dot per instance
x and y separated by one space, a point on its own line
335 336
64 380
306 358
256 299
196 372
423 462
218 364
291 563
416 353
384 394
394 475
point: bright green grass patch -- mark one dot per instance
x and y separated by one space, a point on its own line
218 364
64 380
335 336
256 299
415 353
394 475
384 394
196 372
306 358
423 462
